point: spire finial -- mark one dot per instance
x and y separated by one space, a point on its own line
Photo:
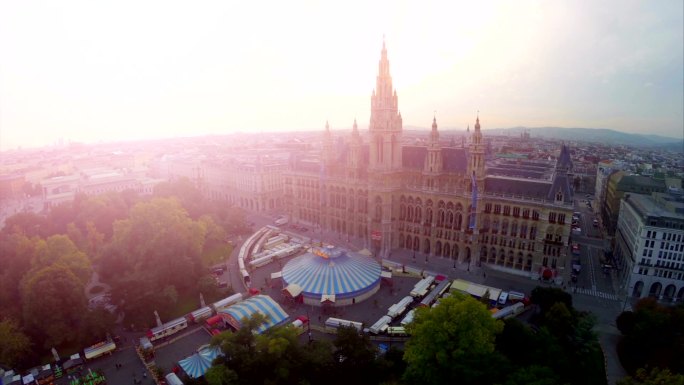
356 127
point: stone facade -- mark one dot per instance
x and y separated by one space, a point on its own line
436 200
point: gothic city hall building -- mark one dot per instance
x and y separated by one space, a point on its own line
434 200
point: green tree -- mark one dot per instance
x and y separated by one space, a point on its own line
533 375
354 355
16 253
653 336
101 211
449 340
53 304
656 376
59 249
185 191
156 247
559 320
545 297
95 326
14 344
221 375
28 224
206 285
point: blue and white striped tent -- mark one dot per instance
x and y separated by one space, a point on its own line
210 352
343 274
197 364
275 315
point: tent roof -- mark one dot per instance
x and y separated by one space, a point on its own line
195 366
328 298
275 315
293 290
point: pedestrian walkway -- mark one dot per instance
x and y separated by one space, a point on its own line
596 293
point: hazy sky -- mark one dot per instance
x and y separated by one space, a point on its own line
92 70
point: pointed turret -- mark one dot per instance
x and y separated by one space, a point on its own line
434 134
327 148
354 160
356 136
561 188
385 120
433 162
564 162
476 164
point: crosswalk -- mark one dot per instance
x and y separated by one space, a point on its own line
596 293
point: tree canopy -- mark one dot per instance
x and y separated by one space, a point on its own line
14 344
54 303
448 340
155 252
653 336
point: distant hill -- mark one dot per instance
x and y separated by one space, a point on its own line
599 135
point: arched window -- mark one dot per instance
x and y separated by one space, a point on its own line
559 196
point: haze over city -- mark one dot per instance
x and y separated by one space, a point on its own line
86 72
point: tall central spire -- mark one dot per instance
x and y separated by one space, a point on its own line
385 119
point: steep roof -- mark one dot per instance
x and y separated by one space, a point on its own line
561 182
529 188
413 157
564 161
453 159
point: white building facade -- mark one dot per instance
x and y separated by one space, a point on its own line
650 246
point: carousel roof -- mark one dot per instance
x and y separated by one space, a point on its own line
346 273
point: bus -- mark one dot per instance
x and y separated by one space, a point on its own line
99 349
167 329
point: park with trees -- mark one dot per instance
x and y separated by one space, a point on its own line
153 253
